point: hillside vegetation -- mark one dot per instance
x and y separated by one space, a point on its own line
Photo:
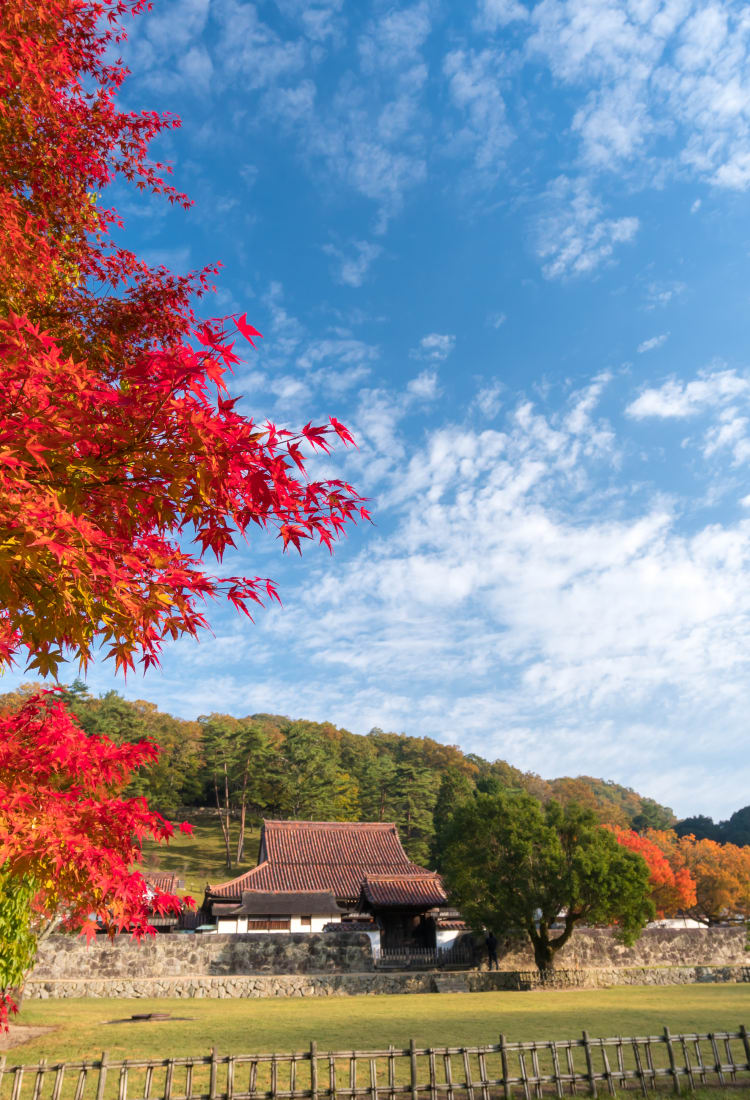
273 766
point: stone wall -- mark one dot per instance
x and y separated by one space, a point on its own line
68 957
597 948
357 985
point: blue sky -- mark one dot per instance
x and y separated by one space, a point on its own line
507 244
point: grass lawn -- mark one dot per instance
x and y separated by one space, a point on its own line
200 858
82 1028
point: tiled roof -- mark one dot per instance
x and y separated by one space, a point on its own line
168 881
311 856
264 902
405 891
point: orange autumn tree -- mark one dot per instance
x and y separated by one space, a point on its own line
672 884
722 880
720 873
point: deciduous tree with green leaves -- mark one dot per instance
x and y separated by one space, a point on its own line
515 866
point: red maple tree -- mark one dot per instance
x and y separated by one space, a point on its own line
124 462
118 439
67 832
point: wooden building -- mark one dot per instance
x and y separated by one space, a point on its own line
405 907
361 866
277 911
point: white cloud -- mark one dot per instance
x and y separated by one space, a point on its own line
496 320
513 597
677 399
319 19
353 269
474 83
424 386
395 39
493 14
488 400
249 174
435 347
652 343
665 82
574 237
660 294
253 51
721 395
512 593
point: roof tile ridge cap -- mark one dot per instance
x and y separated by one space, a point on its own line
297 821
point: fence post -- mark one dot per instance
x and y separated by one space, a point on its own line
212 1078
672 1060
413 1067
589 1063
504 1063
314 1069
745 1043
102 1076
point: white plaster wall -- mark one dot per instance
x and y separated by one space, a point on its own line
317 923
446 937
239 924
374 938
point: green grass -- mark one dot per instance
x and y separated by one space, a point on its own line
200 858
82 1030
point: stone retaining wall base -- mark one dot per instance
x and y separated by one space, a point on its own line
353 985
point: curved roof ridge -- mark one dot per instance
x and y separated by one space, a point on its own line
276 822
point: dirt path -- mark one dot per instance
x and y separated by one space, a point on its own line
18 1035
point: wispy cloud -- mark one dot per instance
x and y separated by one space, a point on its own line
424 386
354 265
574 237
488 400
435 347
660 294
653 343
474 82
671 69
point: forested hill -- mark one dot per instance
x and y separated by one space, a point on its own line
282 767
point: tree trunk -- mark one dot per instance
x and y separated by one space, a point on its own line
227 816
544 954
545 948
243 812
224 824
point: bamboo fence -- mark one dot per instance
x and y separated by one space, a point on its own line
532 1070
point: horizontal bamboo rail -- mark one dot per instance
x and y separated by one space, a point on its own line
505 1069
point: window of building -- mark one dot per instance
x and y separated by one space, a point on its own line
306 922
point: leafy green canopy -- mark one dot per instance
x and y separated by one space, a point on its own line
515 866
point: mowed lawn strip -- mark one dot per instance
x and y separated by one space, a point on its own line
82 1030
